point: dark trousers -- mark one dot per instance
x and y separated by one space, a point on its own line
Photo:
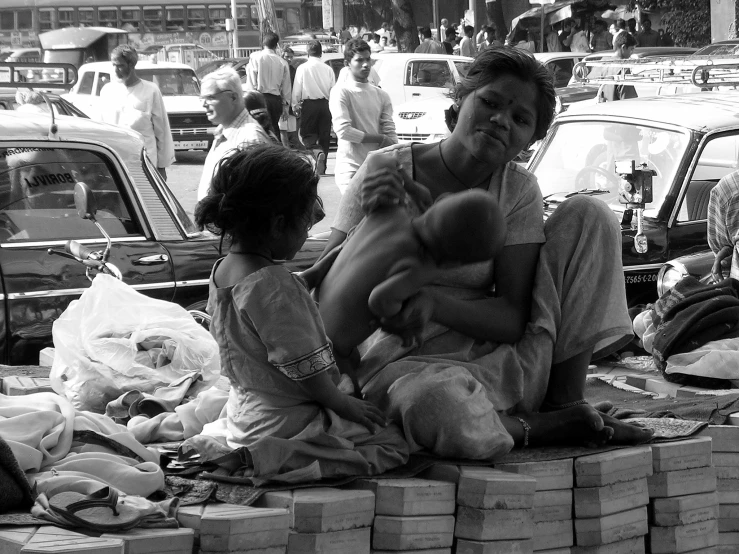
315 124
274 107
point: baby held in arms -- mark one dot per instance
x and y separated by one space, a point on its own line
389 256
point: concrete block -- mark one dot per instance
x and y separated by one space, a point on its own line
275 499
48 539
21 386
553 534
684 454
563 550
726 459
449 473
553 505
523 546
726 472
493 489
493 525
243 541
729 539
155 541
727 485
678 483
354 541
46 357
422 551
728 525
189 516
634 545
611 528
728 510
684 538
610 499
549 475
683 510
616 466
232 519
412 532
409 497
731 497
321 510
725 437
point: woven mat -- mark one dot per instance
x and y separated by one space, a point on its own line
21 519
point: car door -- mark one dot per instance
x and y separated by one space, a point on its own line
427 78
37 213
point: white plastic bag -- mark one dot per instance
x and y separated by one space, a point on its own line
98 338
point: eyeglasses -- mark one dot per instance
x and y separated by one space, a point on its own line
210 98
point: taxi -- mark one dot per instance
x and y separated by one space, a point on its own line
155 245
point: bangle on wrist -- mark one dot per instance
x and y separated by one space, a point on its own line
526 430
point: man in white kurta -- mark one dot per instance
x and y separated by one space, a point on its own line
138 105
362 114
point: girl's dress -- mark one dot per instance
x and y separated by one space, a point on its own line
271 338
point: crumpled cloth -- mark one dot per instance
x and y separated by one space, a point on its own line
39 429
163 399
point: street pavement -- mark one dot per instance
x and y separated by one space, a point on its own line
184 176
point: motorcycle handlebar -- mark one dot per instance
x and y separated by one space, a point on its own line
78 250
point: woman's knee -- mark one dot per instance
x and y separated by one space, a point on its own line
584 216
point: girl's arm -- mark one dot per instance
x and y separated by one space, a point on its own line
323 390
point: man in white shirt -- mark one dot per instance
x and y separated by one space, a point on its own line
269 74
466 45
138 105
223 100
362 114
311 90
429 45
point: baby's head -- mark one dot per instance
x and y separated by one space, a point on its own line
465 227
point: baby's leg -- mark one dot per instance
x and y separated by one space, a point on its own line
348 366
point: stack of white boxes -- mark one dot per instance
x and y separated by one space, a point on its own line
495 512
725 449
411 514
684 503
553 532
331 521
611 501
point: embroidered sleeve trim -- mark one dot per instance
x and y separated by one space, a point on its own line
309 365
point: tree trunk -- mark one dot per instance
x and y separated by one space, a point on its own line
404 25
494 12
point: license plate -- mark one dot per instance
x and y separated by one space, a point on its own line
190 144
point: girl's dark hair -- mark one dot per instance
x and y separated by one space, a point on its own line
495 61
253 185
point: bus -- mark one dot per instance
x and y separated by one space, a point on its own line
148 22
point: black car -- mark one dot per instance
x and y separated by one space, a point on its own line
156 247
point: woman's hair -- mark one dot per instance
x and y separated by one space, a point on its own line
225 78
495 61
252 186
352 47
256 105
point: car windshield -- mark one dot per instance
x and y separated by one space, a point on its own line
718 50
580 157
463 68
172 82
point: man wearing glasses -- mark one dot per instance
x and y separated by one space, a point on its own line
223 100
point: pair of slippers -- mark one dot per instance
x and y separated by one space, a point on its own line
102 511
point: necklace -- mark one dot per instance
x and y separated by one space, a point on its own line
270 260
441 157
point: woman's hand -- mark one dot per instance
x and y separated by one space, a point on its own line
410 322
363 412
717 271
386 187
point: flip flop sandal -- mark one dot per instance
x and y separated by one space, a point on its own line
99 511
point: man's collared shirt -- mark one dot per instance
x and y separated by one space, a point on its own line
313 81
243 130
268 73
430 46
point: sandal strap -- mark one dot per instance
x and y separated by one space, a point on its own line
107 497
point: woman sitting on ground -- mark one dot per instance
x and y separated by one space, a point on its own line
506 344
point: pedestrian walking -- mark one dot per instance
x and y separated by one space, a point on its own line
362 114
429 45
466 45
289 124
223 100
270 75
311 91
132 102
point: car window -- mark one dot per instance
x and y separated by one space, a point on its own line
173 82
429 74
463 68
718 158
37 195
336 65
561 71
103 79
85 86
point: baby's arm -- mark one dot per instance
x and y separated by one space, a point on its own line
323 390
405 279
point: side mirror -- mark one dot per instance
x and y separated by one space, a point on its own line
84 201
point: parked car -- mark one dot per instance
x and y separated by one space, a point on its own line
58 104
155 244
727 48
688 155
423 120
299 43
191 129
575 91
238 64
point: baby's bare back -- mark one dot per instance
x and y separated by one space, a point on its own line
378 243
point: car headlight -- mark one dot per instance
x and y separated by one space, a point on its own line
669 275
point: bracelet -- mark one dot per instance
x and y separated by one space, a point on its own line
526 429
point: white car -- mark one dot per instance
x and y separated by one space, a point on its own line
191 129
423 120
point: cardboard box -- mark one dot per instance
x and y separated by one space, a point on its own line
684 454
493 525
684 538
610 499
493 489
678 483
549 475
611 528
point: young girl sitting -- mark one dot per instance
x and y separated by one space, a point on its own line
283 404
